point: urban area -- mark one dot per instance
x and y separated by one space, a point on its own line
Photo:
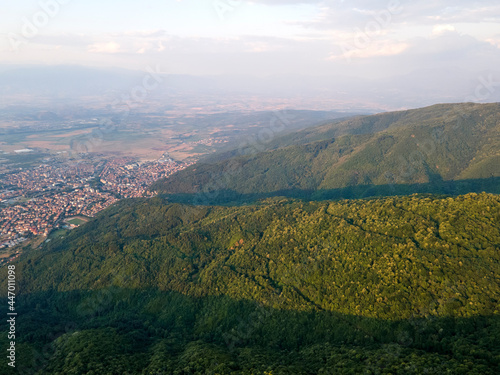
56 194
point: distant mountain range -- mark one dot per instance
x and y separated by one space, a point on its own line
412 90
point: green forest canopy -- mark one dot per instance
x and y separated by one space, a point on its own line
392 285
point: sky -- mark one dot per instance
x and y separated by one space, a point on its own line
215 37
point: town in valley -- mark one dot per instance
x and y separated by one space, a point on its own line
57 193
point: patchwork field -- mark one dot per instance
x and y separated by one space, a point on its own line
150 136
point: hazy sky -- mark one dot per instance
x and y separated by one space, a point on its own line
266 37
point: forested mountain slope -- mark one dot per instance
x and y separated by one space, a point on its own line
451 149
395 285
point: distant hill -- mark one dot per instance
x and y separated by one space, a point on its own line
248 127
448 148
397 285
65 81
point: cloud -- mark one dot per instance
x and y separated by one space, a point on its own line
107 47
258 47
374 49
142 34
376 36
338 15
65 39
450 43
495 41
442 29
286 2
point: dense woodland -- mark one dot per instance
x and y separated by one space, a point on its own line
398 285
445 149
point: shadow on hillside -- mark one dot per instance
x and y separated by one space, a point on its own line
140 319
436 186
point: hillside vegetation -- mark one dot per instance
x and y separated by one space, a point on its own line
402 285
267 283
443 149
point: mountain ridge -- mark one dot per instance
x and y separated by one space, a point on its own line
442 142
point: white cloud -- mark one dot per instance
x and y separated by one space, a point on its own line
495 41
375 48
442 29
259 47
108 47
400 37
